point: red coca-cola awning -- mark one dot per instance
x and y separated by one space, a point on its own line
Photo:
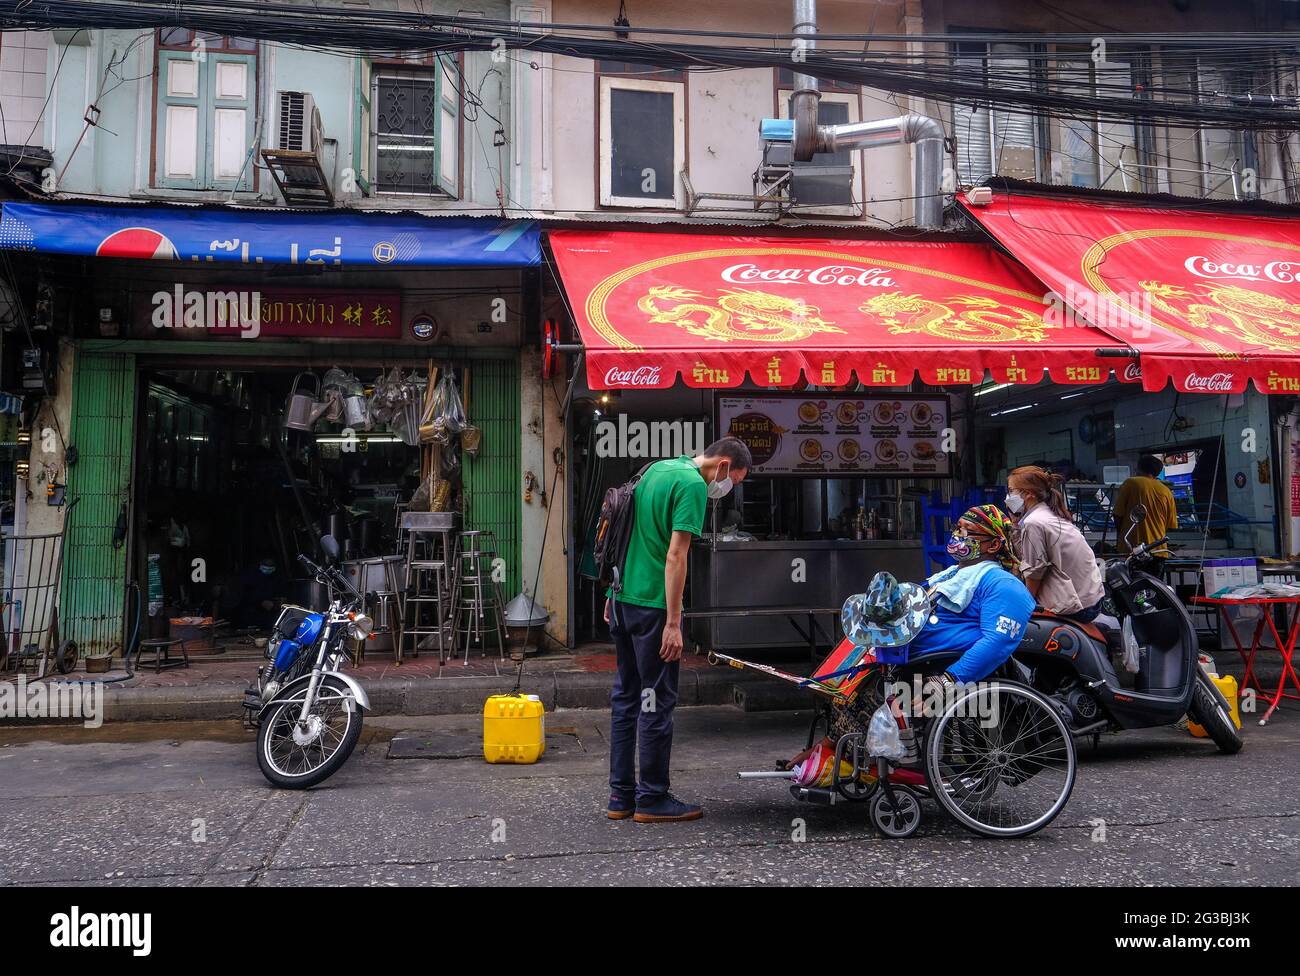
651 307
1209 299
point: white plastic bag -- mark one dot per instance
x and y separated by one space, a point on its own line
1132 653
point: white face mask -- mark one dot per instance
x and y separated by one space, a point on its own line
1015 502
720 487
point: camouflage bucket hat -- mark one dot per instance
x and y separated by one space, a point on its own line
888 614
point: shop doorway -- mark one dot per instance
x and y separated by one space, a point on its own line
1196 473
225 498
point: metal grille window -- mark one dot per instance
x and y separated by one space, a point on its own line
996 141
1205 161
416 122
1087 151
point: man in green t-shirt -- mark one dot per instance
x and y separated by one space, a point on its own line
645 620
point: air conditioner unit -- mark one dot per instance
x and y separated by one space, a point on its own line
300 129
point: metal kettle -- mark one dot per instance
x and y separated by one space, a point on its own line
302 409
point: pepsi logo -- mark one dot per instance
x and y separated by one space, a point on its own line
137 242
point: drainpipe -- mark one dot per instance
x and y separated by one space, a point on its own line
809 137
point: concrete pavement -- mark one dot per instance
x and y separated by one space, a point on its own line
213 688
184 804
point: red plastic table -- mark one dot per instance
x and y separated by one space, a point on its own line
1285 647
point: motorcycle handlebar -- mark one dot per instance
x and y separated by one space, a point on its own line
1147 547
329 575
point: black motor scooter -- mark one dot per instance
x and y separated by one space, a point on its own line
1071 662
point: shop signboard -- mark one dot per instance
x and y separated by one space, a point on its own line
1209 298
846 435
238 311
713 311
249 237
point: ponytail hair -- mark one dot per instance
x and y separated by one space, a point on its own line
1045 486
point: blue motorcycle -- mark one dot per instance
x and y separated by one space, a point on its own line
307 712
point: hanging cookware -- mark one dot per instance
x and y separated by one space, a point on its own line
356 411
301 411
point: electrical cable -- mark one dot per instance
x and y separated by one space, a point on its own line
910 72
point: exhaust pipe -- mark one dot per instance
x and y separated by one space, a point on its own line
807 89
810 138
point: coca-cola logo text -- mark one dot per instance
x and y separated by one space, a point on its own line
1132 372
1280 271
1214 383
830 274
641 376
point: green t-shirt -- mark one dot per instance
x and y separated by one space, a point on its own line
670 497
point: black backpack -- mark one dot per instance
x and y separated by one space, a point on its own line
614 531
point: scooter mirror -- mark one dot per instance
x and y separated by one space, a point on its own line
330 546
1139 514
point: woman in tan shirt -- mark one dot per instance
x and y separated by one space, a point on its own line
1059 567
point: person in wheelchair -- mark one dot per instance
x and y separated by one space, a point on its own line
979 606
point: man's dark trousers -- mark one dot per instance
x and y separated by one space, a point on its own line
641 706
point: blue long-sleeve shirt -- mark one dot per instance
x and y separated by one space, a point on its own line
989 628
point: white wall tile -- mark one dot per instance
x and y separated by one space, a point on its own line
11 82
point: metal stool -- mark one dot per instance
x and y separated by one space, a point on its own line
430 554
160 648
384 610
424 609
478 599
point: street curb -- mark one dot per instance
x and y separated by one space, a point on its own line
453 696
746 690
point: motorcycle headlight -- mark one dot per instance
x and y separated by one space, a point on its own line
360 627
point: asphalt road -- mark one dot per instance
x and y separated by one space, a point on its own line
185 805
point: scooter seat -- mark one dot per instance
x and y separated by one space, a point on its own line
1091 629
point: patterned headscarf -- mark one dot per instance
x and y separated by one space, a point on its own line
985 530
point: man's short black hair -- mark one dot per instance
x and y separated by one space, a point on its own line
734 450
1150 465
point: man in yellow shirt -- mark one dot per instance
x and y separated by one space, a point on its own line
1145 489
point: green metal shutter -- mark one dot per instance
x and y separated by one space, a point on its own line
493 479
103 426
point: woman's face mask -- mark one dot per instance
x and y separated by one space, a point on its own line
1015 502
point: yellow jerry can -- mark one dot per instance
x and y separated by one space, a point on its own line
514 729
1228 685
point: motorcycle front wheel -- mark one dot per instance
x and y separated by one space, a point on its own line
293 755
1211 711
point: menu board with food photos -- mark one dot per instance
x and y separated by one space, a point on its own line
841 434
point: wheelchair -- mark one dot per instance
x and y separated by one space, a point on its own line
996 755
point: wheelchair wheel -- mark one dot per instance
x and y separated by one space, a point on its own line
898 822
1000 760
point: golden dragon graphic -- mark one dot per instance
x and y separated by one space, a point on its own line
1229 310
736 314
979 320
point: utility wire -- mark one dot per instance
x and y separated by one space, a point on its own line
923 74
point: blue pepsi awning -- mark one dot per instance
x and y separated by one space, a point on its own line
271 237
